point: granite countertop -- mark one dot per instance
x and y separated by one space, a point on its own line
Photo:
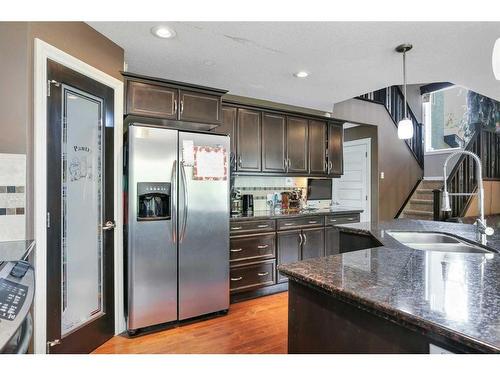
267 214
15 250
454 295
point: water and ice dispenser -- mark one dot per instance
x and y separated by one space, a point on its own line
154 201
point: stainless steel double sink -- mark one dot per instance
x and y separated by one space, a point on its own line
434 241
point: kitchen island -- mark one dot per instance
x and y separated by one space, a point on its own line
395 299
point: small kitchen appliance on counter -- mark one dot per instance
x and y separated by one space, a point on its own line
247 200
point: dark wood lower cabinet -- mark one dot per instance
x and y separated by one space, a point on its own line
355 241
319 323
289 249
332 241
313 245
255 244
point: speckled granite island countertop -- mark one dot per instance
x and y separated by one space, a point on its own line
294 213
453 295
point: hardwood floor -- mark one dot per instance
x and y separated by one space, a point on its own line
256 326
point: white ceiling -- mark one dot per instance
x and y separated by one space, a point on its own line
344 59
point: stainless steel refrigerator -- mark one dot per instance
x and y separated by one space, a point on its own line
177 255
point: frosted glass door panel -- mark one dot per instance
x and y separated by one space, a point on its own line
82 268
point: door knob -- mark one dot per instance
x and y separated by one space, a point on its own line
109 225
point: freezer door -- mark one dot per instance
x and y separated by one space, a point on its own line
204 245
151 248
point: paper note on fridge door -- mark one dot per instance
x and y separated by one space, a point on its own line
210 163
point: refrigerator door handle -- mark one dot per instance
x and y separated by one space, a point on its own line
186 200
173 201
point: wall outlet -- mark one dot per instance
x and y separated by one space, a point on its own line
381 175
289 182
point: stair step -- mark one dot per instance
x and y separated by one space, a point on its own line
419 213
421 201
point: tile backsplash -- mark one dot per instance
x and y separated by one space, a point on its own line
260 186
12 196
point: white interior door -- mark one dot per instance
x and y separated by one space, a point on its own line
352 190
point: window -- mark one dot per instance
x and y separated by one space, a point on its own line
445 119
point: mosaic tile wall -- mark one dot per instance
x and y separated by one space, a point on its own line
259 187
12 197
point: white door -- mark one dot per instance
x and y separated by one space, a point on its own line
352 190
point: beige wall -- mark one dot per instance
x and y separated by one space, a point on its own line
491 200
16 95
395 160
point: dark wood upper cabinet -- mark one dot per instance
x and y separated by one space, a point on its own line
273 143
335 149
317 147
151 100
313 245
228 125
199 107
297 144
248 146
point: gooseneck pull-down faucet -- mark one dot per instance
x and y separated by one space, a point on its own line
482 230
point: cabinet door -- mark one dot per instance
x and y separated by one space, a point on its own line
332 241
248 145
228 126
198 107
288 249
313 245
317 147
296 144
273 142
335 149
151 100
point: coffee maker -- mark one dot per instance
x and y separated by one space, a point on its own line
247 201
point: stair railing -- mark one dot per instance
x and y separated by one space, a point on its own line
485 143
393 100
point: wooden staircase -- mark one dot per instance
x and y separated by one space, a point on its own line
420 205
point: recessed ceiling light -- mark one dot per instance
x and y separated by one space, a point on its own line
163 32
301 74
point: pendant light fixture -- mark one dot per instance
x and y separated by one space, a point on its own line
405 126
495 59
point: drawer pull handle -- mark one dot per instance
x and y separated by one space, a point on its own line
333 220
313 222
236 278
262 226
263 273
236 250
288 224
236 228
262 246
350 218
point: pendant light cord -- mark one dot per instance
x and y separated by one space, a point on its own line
404 84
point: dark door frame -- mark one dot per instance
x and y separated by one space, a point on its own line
100 329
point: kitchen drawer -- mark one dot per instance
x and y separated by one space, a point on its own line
252 275
252 226
252 247
342 219
309 221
